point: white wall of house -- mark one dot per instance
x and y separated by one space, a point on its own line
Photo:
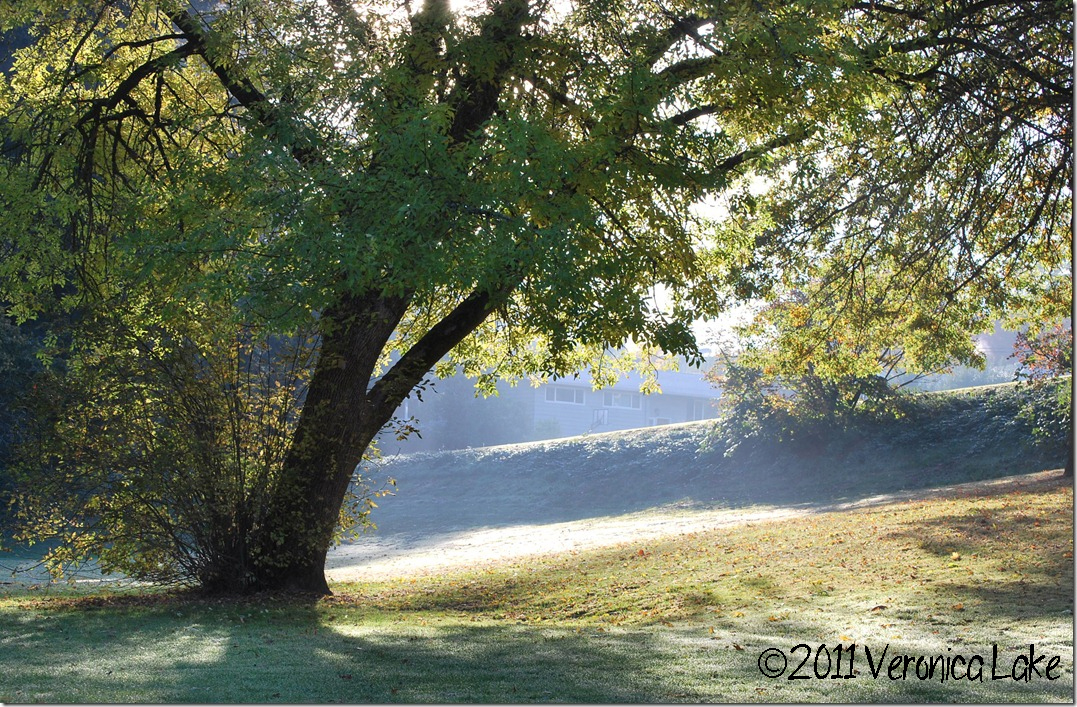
570 407
449 416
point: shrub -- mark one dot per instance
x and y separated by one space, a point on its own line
759 409
151 451
1045 361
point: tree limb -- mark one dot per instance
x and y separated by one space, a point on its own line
391 389
474 97
244 91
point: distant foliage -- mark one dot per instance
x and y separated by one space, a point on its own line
805 368
759 407
1046 367
764 424
17 366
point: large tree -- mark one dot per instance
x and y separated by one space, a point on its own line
507 183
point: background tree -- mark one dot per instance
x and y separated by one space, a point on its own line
17 366
507 186
1045 358
940 207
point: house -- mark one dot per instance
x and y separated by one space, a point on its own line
570 406
450 416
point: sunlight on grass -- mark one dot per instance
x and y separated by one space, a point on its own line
682 619
867 557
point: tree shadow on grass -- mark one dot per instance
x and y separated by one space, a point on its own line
1038 565
289 652
296 654
606 475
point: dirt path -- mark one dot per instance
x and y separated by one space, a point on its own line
401 554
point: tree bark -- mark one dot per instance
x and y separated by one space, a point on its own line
336 426
342 415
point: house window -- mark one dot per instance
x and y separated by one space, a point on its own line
697 410
617 399
558 394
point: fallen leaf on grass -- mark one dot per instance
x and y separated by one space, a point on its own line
738 647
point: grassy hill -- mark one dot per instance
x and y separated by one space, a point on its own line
945 438
689 617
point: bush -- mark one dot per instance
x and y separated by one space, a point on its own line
1048 411
1046 367
758 409
152 451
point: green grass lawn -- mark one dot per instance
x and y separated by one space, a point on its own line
683 619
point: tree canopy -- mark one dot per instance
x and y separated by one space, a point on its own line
506 185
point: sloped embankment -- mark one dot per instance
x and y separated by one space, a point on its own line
944 439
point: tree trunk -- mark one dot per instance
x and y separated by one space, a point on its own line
335 428
341 416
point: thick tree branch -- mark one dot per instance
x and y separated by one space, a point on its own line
689 115
723 168
681 28
257 104
393 387
575 109
690 69
474 98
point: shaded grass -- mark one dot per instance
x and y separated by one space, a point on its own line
683 619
